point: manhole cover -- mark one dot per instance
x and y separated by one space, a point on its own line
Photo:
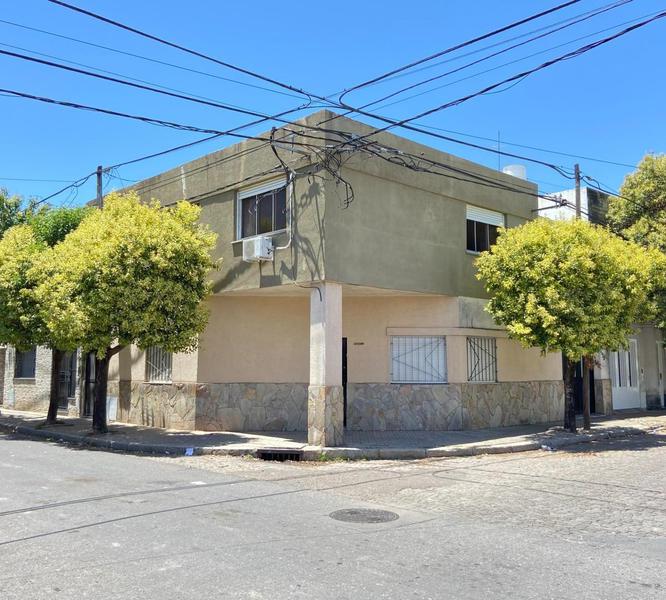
363 515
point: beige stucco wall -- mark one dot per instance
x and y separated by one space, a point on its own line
130 365
365 322
265 339
515 363
405 229
256 339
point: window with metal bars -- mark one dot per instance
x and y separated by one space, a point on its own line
158 365
25 364
418 359
482 359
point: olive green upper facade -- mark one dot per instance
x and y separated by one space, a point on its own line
405 230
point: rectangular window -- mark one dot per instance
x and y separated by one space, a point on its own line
418 359
482 227
482 359
158 365
25 364
262 209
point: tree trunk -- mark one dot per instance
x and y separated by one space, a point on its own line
587 363
569 397
101 381
56 365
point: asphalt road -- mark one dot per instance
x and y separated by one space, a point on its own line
586 523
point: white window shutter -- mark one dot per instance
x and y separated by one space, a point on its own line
483 215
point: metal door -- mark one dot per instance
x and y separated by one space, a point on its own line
344 381
67 379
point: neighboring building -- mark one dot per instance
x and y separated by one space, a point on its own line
593 205
636 374
368 317
27 380
3 351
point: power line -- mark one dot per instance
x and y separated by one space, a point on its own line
159 122
136 85
148 83
434 65
571 23
514 78
152 60
455 47
225 64
185 49
35 180
537 148
512 62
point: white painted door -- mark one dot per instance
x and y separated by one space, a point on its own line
624 377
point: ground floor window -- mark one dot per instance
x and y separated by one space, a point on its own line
418 359
482 359
158 365
25 364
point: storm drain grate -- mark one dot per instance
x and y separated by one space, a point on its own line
279 454
363 515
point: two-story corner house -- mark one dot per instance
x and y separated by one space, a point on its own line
347 295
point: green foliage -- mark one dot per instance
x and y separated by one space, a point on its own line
640 212
640 215
13 212
567 286
20 323
51 226
129 274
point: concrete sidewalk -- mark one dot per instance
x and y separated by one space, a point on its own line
358 444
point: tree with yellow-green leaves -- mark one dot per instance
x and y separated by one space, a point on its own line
21 248
569 287
131 273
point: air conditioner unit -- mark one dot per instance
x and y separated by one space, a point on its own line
258 248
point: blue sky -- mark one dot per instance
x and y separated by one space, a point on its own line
606 104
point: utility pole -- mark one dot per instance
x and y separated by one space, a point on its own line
100 198
586 362
577 177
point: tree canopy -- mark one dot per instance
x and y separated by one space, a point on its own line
639 212
13 211
131 273
20 321
567 286
52 225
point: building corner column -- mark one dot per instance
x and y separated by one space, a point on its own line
325 393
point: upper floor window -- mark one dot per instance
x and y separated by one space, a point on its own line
262 208
158 365
482 226
24 366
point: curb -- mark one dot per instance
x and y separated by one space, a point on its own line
316 453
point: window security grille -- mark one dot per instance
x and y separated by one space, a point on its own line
24 367
482 359
158 365
418 359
